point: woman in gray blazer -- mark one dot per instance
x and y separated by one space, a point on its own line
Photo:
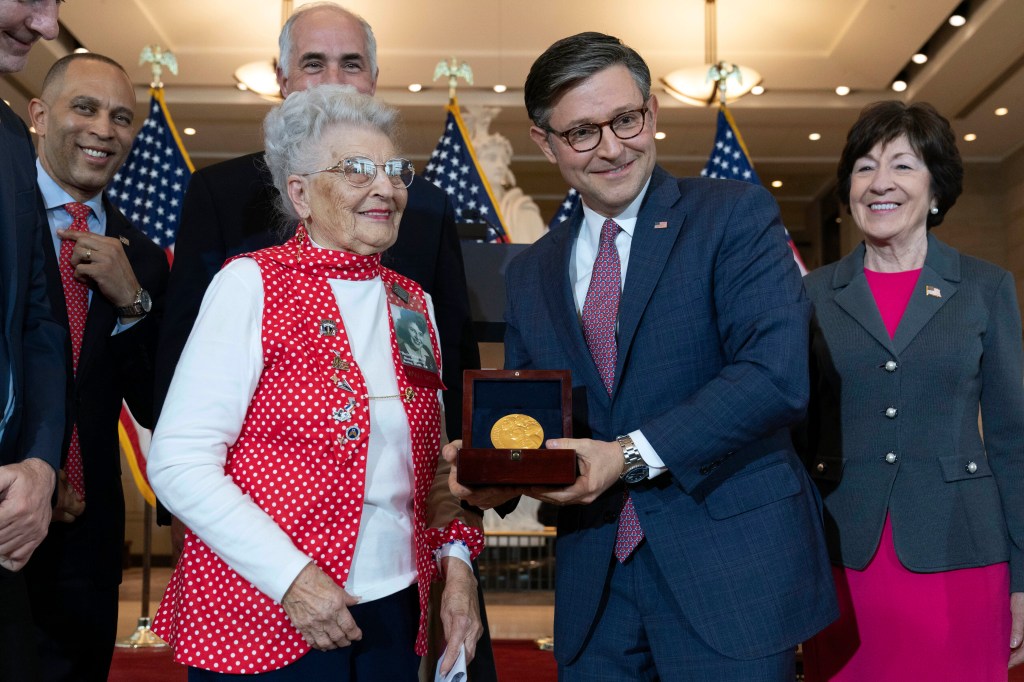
924 502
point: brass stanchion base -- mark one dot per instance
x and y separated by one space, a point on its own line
545 643
142 638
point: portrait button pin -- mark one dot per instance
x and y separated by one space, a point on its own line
890 458
409 393
971 467
328 327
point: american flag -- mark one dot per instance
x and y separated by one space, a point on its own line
151 184
565 209
453 167
730 160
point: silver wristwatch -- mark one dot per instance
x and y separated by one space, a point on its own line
634 468
139 307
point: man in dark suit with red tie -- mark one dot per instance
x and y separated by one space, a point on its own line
31 353
690 546
106 284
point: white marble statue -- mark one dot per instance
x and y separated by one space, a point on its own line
494 151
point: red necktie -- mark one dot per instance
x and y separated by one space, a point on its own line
76 296
600 315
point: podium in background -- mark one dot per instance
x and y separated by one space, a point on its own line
485 279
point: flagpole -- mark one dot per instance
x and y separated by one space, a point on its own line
143 637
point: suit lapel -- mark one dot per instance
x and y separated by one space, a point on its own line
935 286
855 297
99 323
648 255
562 305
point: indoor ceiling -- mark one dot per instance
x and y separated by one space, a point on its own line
803 48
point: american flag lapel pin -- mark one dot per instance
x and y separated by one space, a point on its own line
929 290
661 225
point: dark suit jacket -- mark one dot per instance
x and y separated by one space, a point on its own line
711 368
954 350
230 209
110 368
35 342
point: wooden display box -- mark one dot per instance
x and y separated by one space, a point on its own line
489 395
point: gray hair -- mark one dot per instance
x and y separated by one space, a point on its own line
293 130
572 60
284 41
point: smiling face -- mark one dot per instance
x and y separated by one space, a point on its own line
22 24
611 175
890 193
85 126
327 47
361 220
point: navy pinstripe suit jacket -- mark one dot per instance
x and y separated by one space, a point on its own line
712 367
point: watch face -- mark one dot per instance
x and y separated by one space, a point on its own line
145 301
636 474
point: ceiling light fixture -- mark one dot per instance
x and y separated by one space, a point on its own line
660 135
919 58
700 86
1002 111
261 76
500 88
776 183
415 87
900 82
842 91
970 137
189 131
814 137
959 16
757 90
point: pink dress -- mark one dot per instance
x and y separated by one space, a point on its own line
900 626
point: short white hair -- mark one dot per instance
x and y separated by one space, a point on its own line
292 131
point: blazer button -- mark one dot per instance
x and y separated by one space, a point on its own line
890 458
890 366
890 412
821 467
971 467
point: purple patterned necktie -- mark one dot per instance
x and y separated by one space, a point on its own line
600 314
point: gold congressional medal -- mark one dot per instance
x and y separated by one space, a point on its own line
516 432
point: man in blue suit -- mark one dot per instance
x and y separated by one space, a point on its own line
690 547
32 374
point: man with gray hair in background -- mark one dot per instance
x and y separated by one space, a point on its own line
229 208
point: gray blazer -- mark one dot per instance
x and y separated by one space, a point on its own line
893 424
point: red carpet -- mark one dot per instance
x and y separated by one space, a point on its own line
516 660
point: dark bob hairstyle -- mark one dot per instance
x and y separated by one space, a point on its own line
930 136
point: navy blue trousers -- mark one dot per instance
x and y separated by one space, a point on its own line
642 634
386 651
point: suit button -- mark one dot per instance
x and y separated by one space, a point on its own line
821 467
890 412
890 458
971 467
890 366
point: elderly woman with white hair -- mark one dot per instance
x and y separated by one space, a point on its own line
297 445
